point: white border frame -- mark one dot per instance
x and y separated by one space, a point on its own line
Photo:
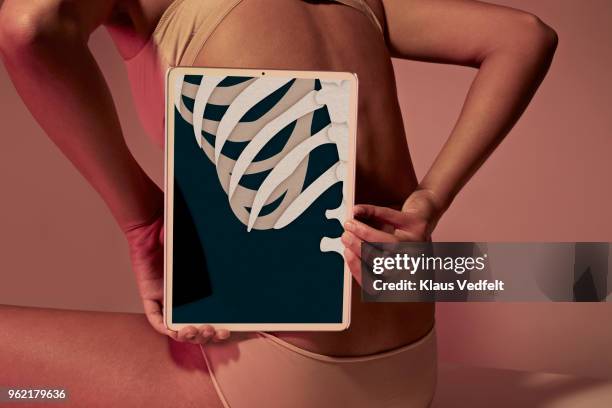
171 76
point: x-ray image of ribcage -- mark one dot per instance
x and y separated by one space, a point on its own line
259 134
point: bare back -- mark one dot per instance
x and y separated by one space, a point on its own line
329 36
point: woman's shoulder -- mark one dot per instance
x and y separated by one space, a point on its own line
132 22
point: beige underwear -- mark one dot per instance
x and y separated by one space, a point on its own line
261 370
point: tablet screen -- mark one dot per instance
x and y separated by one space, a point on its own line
261 173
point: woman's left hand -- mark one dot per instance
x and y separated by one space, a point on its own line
146 245
414 223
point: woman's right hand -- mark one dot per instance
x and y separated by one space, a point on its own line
146 245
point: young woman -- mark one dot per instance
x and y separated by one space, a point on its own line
387 356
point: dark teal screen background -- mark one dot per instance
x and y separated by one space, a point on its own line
235 276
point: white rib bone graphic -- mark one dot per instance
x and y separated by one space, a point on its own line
241 105
309 195
205 89
245 131
283 169
306 105
288 168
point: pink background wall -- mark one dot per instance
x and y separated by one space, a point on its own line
549 181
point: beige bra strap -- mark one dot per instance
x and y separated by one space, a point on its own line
363 6
208 26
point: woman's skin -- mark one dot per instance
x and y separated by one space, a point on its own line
47 40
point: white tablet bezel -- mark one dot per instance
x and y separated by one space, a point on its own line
171 76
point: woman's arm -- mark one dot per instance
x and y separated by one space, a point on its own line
44 48
512 51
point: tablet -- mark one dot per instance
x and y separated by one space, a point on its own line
259 179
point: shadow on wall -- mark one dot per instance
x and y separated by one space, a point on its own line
591 269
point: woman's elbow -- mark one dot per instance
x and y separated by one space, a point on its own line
535 37
26 27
